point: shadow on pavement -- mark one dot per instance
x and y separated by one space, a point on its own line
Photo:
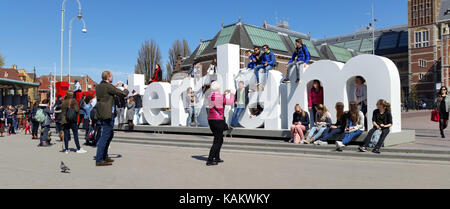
200 157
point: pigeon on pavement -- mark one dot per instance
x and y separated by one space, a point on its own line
64 168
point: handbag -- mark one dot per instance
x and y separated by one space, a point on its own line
226 128
435 116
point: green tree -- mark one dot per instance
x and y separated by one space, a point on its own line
149 55
2 61
179 48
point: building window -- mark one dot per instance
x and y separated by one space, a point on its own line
414 10
422 63
422 38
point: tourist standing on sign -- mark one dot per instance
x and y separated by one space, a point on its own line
106 113
69 112
360 95
382 120
315 97
300 57
77 88
267 63
190 104
216 120
443 105
138 101
212 71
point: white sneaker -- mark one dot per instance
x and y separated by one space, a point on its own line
67 152
317 142
339 145
302 142
81 151
322 143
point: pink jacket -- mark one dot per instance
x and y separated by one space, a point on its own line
315 97
219 101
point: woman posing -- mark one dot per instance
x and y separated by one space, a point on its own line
315 98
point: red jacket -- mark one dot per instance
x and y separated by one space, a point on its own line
315 97
158 75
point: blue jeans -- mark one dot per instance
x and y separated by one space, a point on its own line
266 71
137 110
192 113
329 133
350 136
74 128
236 116
107 134
319 132
45 133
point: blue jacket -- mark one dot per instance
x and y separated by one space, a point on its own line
300 55
269 58
251 61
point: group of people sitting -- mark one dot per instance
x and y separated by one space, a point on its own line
350 124
266 60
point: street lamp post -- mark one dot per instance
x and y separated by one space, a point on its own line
63 9
84 30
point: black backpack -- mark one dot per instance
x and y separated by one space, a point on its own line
93 113
71 115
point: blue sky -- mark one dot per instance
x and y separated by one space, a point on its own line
30 29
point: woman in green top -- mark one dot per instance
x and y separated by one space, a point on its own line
443 105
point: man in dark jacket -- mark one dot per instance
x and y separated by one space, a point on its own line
106 112
138 101
299 57
267 63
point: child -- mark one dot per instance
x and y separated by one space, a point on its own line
251 59
27 127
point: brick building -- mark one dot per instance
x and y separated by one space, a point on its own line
443 26
424 48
